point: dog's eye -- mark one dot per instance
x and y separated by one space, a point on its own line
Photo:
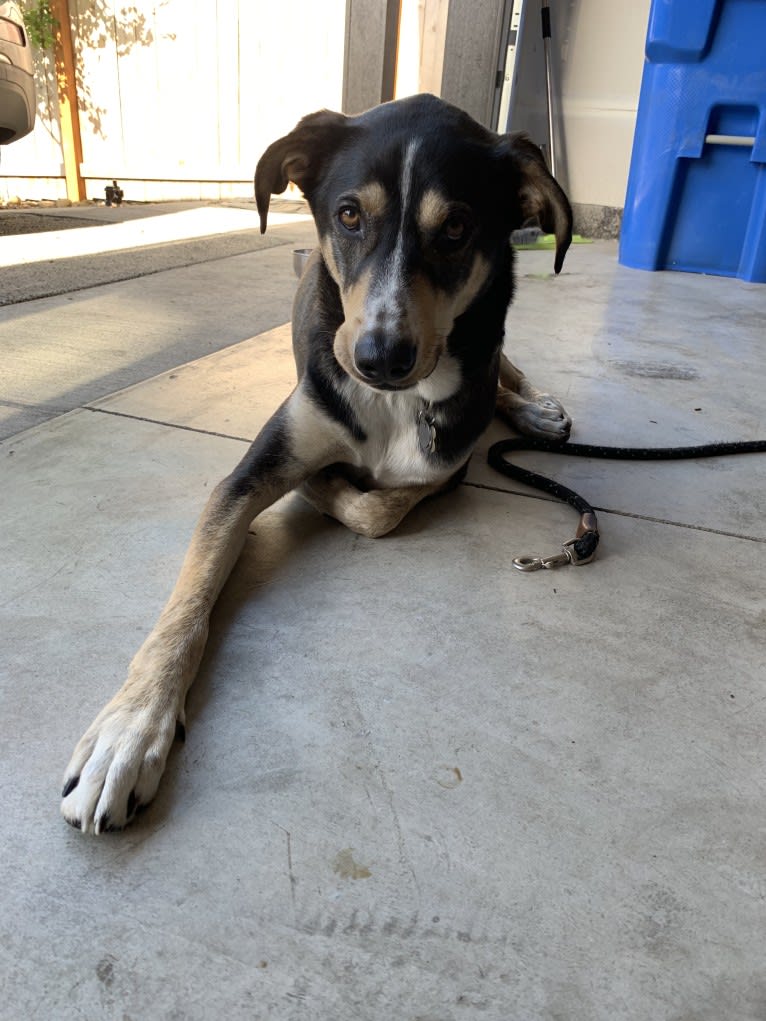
454 229
350 217
454 233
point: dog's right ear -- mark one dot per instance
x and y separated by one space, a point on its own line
298 157
540 196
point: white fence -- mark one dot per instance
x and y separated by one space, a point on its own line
179 98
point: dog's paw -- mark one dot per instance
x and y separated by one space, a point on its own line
542 417
117 765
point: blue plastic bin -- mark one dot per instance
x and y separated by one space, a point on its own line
696 198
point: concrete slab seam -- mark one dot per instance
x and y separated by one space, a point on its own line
471 485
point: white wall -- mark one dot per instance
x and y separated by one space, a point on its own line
597 58
597 52
420 56
598 47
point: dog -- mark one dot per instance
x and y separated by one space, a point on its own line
398 327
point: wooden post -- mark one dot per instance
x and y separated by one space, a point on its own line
69 114
433 34
471 53
372 36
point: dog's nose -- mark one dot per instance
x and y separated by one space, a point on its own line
381 360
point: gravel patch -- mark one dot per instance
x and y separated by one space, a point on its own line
12 222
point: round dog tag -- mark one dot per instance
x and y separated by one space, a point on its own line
426 433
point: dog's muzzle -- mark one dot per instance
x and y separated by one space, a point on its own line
384 361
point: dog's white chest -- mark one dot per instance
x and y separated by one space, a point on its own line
395 452
401 435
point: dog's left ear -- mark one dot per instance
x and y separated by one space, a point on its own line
298 157
540 196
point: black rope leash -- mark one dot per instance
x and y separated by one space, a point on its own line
582 549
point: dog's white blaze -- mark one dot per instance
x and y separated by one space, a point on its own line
385 301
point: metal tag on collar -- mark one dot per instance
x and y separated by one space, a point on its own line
426 432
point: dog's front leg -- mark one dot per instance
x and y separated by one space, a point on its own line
371 513
117 765
527 409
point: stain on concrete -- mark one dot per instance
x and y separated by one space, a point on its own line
448 777
347 868
105 971
660 923
657 370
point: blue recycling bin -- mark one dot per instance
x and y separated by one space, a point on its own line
696 198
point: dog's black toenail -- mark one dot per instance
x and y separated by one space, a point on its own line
180 732
70 785
132 803
74 823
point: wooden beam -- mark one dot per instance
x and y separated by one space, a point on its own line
471 53
433 34
69 114
390 50
372 37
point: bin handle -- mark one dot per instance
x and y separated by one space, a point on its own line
747 141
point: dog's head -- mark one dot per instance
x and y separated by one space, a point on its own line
414 203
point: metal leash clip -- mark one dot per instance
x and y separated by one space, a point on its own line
567 556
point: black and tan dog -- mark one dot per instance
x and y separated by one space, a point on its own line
398 328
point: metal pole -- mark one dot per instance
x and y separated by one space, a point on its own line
546 20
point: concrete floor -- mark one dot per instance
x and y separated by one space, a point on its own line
417 784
